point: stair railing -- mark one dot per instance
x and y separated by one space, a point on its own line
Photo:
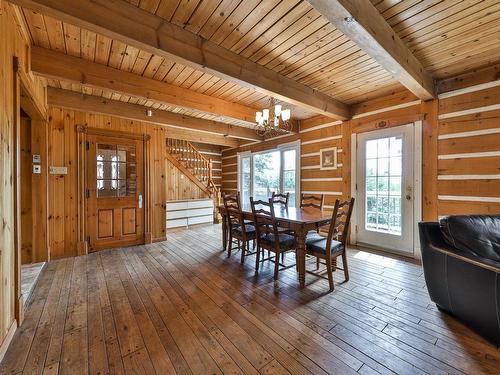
200 166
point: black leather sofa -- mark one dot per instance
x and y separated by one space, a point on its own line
461 260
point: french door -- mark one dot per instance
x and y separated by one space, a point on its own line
385 192
115 194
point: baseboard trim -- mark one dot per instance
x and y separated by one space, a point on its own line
8 338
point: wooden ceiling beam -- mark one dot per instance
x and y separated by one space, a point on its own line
186 127
361 22
56 65
122 21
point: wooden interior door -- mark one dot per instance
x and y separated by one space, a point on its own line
115 192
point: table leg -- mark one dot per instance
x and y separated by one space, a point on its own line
224 232
301 255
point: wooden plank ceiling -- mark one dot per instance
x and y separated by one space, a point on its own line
291 38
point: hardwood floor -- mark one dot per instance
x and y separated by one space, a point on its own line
182 306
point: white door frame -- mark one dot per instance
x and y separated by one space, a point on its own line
417 184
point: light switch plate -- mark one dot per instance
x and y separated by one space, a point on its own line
37 169
58 170
37 159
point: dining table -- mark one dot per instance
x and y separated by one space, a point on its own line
299 220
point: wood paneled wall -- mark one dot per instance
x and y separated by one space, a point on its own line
468 152
14 44
316 133
460 141
166 182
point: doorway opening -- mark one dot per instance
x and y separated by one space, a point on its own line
29 163
386 181
29 191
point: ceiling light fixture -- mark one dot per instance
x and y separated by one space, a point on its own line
273 120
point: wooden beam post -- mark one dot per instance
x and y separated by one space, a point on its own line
224 134
56 65
361 22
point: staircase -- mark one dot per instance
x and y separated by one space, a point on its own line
183 155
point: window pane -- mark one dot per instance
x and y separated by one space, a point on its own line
245 165
106 152
396 168
371 185
116 170
383 179
383 167
371 203
289 186
106 188
371 167
382 185
371 149
266 174
105 170
396 146
395 187
383 148
126 154
289 160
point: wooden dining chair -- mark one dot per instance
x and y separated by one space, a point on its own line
237 228
313 201
335 244
279 198
269 236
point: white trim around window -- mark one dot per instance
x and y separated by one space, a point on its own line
282 148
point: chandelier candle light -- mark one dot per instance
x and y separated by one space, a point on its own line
273 120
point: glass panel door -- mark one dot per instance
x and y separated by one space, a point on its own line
384 203
115 170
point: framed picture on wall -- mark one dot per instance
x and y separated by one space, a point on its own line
328 158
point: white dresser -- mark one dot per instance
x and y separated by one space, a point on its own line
189 212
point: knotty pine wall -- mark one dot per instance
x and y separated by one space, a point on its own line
166 182
461 145
468 151
14 43
316 133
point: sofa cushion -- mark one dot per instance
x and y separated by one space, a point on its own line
476 234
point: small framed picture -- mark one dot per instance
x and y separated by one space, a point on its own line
328 158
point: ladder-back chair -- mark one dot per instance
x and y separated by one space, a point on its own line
237 228
313 201
269 237
335 244
279 198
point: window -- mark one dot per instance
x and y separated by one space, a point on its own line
261 174
383 185
115 170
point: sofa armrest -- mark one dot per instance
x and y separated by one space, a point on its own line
432 237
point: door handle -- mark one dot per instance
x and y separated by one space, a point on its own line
140 200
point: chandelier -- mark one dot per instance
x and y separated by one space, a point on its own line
273 120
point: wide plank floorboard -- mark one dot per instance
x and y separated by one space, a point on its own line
183 307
